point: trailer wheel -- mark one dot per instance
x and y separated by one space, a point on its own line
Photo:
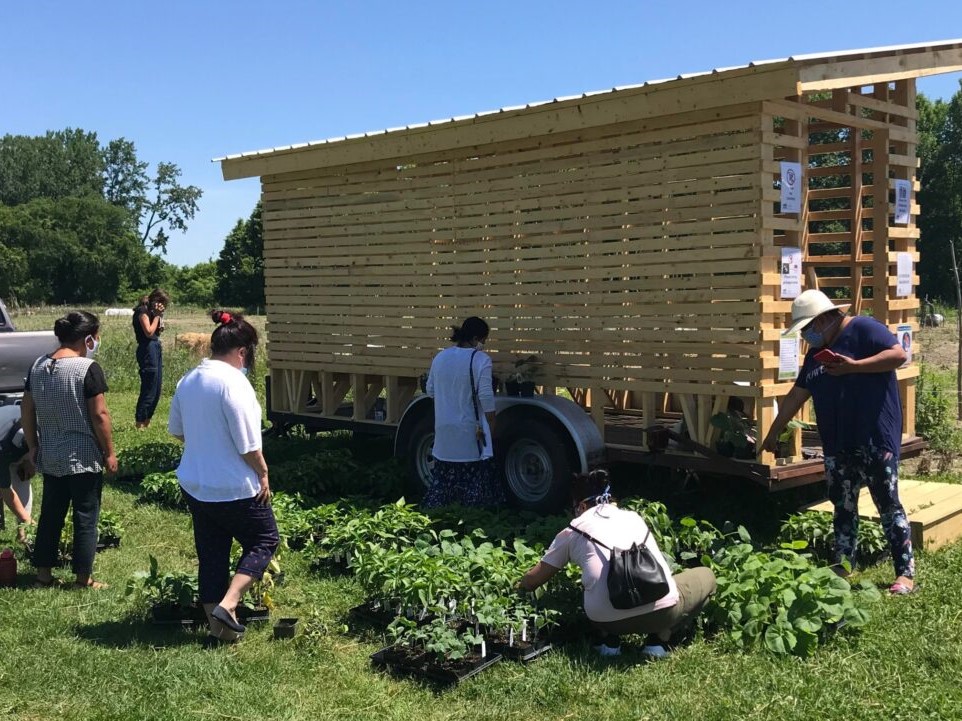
535 464
418 456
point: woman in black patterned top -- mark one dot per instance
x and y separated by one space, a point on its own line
67 429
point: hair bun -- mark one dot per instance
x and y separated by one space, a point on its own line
221 317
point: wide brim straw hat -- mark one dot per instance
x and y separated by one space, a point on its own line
809 305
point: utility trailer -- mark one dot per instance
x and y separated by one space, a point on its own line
631 239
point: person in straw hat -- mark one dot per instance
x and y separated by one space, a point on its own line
859 418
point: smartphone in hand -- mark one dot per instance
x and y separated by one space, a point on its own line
827 356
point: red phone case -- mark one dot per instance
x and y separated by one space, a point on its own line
826 356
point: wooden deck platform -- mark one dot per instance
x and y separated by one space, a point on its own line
934 511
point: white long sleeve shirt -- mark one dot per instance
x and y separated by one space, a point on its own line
449 383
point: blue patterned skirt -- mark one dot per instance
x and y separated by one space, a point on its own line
472 483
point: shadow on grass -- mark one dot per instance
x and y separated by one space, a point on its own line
135 632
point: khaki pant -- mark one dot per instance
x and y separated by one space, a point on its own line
695 587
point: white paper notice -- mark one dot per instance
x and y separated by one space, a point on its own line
904 335
788 357
903 287
791 187
903 200
791 272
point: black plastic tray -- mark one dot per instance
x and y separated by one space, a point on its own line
523 654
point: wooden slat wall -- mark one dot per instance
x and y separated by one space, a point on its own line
856 263
628 259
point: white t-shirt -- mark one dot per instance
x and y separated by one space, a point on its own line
612 526
449 383
216 411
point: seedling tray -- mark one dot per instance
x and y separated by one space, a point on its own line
180 616
524 652
455 674
376 617
246 614
400 660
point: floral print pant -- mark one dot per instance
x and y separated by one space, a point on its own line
846 474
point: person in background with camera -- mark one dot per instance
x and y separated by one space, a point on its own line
15 489
148 325
849 373
460 382
599 526
222 472
67 429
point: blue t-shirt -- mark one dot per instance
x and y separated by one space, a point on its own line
860 409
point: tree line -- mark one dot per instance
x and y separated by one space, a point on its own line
83 222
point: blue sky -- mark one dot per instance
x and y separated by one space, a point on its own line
190 81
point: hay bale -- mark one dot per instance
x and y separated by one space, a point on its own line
198 343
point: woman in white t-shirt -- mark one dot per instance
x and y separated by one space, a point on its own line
597 516
223 473
464 470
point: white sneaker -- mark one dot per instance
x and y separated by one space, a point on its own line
604 650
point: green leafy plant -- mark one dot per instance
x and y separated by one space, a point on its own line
736 436
109 528
817 531
177 589
163 489
781 600
157 457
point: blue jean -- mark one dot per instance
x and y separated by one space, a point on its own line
879 470
216 525
83 490
151 361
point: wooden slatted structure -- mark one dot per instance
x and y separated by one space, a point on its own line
630 239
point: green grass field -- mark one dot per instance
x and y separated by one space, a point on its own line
88 655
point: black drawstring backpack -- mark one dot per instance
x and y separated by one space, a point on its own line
635 577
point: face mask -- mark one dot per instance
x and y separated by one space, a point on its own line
813 337
91 352
816 338
480 345
245 370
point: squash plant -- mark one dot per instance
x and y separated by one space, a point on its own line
781 600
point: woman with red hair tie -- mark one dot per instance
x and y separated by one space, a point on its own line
223 473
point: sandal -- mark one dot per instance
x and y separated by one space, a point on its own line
92 585
900 589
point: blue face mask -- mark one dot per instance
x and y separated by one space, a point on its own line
813 337
816 338
245 370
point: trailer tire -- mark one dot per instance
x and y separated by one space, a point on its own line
535 463
418 458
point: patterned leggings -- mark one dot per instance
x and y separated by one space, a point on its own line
846 474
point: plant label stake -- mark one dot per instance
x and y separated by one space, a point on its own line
524 631
511 636
484 648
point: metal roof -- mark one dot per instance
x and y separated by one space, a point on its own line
807 59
